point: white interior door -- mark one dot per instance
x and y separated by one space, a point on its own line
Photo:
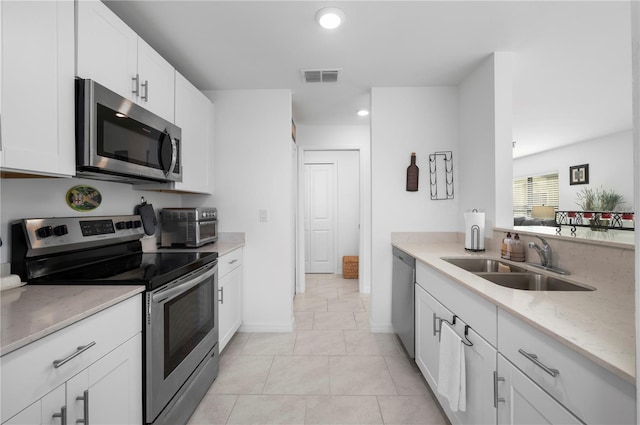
320 218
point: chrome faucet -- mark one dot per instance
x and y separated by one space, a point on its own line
545 257
544 252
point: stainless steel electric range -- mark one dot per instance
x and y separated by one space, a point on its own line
180 323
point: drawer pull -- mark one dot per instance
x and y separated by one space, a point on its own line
534 359
235 260
81 349
62 415
497 399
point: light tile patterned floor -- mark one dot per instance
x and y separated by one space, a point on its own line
330 370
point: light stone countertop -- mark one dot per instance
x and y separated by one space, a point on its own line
226 243
597 324
32 312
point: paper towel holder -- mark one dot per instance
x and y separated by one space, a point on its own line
475 237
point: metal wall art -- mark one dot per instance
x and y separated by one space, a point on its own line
441 175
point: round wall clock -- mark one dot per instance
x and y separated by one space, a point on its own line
83 198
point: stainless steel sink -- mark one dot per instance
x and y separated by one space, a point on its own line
532 282
481 265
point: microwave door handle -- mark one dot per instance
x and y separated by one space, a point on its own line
169 293
174 152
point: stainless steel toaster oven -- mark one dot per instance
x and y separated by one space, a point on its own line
188 227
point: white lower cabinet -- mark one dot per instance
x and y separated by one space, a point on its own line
88 372
48 410
480 360
521 401
516 374
590 392
427 344
230 299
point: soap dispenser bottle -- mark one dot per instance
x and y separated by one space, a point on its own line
517 249
505 252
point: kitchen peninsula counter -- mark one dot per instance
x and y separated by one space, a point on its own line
32 312
598 324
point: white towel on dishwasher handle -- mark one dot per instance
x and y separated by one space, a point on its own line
452 380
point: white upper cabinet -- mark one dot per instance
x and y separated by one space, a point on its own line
38 133
112 54
156 77
107 49
194 116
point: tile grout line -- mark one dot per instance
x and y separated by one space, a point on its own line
226 420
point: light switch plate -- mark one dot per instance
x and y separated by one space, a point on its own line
263 216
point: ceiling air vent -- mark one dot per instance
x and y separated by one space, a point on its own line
320 75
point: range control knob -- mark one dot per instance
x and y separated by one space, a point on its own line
121 225
44 232
129 224
60 230
137 224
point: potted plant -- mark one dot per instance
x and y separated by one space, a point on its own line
587 199
610 200
599 201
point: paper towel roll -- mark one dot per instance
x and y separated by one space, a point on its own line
474 231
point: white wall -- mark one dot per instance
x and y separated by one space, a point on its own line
404 120
253 171
485 126
348 197
474 120
635 60
33 198
610 160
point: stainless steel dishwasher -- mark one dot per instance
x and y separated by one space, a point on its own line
402 298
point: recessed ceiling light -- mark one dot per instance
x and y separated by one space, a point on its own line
363 113
330 17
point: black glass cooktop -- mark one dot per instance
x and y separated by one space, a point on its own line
150 269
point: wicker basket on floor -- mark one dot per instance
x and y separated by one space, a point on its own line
350 267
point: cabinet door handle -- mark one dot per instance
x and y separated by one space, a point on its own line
145 86
534 359
435 329
81 349
84 397
136 85
496 399
62 415
221 299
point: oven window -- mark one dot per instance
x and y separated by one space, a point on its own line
208 229
188 319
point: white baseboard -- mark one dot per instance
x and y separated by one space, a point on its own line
380 328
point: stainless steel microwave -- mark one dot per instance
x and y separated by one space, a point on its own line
118 140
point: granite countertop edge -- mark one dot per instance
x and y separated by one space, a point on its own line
595 340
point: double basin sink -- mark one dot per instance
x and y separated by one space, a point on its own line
515 277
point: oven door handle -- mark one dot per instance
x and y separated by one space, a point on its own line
169 293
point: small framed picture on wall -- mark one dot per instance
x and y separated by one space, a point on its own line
579 174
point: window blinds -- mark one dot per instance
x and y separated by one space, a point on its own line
534 191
